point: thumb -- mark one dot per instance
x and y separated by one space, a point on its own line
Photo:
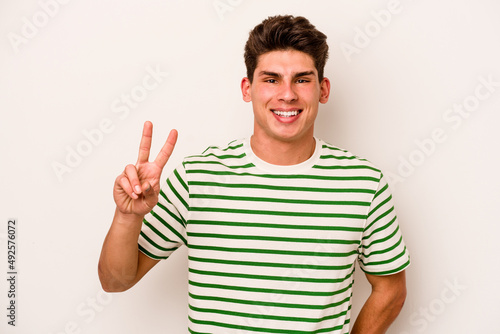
150 197
147 188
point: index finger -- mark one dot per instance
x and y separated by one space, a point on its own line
166 150
145 146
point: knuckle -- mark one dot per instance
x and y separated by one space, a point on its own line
131 171
121 180
124 183
165 154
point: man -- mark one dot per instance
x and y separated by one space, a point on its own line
273 224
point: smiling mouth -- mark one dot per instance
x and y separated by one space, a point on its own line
288 113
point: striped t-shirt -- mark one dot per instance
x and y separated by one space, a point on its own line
272 249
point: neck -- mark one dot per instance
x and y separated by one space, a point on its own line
282 153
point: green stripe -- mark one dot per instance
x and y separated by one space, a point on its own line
142 249
278 200
389 272
346 167
270 264
181 181
271 238
180 220
265 330
380 205
229 147
342 157
193 332
376 263
176 193
173 230
333 148
380 229
265 290
270 278
384 188
378 241
222 157
271 251
266 316
379 218
211 162
281 188
280 213
286 176
272 304
279 226
396 245
156 231
163 249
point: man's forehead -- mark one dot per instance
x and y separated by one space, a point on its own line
290 62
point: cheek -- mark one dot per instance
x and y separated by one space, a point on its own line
311 96
263 94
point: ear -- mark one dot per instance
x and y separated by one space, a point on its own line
246 89
324 90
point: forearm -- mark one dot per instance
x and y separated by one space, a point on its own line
118 263
380 310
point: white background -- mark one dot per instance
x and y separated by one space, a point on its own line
395 78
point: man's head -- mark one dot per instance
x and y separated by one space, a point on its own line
281 33
285 57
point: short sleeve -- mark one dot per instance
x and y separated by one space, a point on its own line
382 250
164 228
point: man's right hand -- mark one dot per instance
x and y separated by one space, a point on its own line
136 190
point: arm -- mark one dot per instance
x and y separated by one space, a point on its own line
135 192
383 305
121 264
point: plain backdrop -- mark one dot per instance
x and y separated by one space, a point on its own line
415 89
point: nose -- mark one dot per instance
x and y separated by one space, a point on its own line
287 92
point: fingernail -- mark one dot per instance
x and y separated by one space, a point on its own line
137 189
134 196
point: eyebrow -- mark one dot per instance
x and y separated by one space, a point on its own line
304 74
277 75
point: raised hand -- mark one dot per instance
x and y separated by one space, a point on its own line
136 189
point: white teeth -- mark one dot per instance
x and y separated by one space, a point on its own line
286 113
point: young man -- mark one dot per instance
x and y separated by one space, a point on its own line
273 224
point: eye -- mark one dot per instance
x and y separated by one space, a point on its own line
271 80
302 80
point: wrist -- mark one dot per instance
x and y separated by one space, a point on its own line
129 219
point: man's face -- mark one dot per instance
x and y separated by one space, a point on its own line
285 95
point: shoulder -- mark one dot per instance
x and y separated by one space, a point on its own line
334 157
232 151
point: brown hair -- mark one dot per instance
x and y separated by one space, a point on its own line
285 32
